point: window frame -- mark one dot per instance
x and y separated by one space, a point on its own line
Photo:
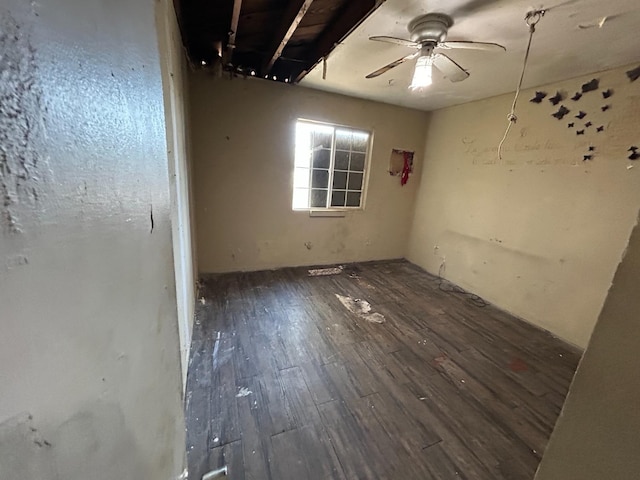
331 169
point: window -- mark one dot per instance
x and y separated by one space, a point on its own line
330 166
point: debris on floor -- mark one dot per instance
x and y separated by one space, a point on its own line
321 272
360 307
243 392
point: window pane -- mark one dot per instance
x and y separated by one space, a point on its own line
318 198
304 134
320 179
357 162
322 139
343 139
321 158
330 165
342 160
353 199
338 198
300 198
340 180
301 178
355 181
303 157
360 141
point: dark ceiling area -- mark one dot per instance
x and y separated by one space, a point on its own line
278 39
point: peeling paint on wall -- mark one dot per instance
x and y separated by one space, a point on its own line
20 129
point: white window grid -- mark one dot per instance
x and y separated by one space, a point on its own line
351 186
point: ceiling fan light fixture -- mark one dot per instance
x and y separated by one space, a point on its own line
422 75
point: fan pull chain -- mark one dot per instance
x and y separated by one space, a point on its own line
531 19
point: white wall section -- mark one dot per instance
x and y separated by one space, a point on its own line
597 433
89 338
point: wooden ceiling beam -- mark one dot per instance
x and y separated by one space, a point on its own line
231 43
348 19
295 11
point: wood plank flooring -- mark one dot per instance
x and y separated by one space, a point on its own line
286 383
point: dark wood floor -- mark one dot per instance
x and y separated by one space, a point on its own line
286 383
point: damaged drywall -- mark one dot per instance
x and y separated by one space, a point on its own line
20 129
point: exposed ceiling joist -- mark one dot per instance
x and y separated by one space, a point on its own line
235 16
351 16
294 14
275 39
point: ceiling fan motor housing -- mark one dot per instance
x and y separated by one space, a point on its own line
431 27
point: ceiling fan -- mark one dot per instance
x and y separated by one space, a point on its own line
428 33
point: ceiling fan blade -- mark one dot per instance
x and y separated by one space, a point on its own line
394 64
395 41
473 45
449 68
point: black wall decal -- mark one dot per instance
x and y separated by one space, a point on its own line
588 124
539 97
592 148
587 157
581 115
607 93
576 97
600 128
580 132
562 111
556 99
570 125
590 86
604 108
634 74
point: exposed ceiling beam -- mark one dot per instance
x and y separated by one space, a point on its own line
231 44
348 19
295 11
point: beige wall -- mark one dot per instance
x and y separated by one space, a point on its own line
598 433
174 72
243 145
88 325
541 232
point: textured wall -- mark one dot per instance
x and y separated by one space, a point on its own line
89 339
598 433
243 151
174 73
539 233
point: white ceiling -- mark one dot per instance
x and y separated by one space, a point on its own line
560 49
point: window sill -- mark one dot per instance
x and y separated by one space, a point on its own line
328 213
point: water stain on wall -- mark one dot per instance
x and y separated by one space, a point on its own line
20 128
